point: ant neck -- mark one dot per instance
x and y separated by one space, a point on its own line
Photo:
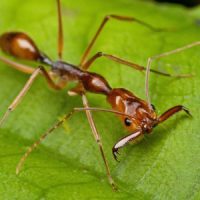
44 59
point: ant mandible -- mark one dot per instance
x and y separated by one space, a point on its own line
137 115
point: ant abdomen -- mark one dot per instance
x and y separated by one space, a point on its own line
19 45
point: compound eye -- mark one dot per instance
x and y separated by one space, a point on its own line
127 122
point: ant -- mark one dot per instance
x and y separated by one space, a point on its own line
138 116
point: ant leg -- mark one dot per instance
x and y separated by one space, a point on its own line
30 70
57 125
83 61
150 59
20 67
102 25
34 145
98 140
84 99
171 112
22 93
60 31
121 61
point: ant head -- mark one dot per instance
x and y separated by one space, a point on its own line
137 114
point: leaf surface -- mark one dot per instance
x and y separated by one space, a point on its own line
67 165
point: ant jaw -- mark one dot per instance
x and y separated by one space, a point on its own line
115 153
155 124
125 140
187 111
148 127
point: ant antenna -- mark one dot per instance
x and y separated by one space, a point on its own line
147 83
180 49
103 110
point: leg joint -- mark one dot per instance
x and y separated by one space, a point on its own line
98 141
41 68
100 54
107 17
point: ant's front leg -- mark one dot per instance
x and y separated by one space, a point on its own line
98 141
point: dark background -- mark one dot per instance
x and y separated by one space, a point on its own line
187 3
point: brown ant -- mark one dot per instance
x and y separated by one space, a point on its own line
137 115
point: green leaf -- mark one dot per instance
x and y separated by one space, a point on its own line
67 165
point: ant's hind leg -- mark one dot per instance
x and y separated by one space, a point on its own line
151 59
20 67
22 93
16 101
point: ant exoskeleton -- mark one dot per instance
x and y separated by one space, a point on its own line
137 115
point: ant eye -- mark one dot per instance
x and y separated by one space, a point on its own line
153 107
127 122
